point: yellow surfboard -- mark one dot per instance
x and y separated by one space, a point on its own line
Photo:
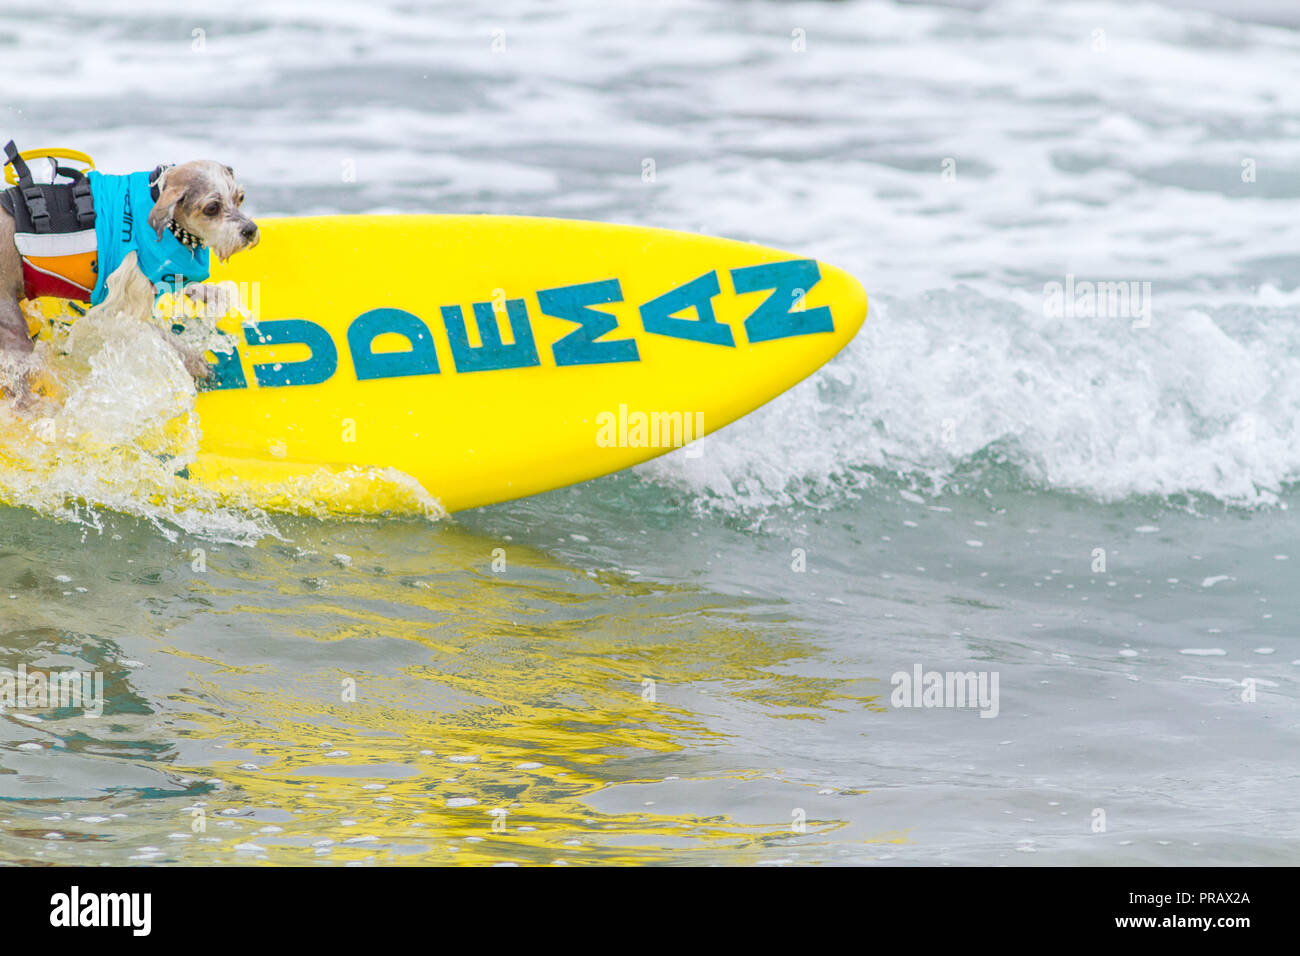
491 357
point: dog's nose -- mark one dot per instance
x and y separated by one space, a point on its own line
249 231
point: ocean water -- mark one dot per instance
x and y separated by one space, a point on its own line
695 662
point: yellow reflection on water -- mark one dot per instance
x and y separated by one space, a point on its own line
491 712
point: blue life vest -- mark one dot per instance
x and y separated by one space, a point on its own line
122 207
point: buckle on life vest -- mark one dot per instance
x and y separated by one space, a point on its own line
84 203
37 207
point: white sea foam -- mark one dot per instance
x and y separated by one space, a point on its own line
1194 404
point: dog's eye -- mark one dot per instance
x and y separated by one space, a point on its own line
239 200
212 208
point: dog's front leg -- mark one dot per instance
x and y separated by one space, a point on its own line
15 354
193 359
14 334
15 342
129 290
217 300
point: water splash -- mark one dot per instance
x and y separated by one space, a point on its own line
112 426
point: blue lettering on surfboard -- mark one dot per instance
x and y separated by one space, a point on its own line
659 315
227 372
320 367
779 316
493 353
420 359
790 282
580 347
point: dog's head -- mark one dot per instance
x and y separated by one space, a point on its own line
204 200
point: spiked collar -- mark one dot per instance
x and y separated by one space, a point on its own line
184 236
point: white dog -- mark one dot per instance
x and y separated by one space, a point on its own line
117 241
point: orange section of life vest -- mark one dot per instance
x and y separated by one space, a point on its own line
79 268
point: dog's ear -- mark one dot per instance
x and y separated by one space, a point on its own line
171 187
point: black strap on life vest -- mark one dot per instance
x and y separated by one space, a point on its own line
33 198
48 207
12 158
82 200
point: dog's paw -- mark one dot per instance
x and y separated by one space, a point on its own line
195 364
219 299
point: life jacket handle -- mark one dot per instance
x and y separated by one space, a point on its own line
12 174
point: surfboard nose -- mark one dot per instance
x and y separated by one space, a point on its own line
850 298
